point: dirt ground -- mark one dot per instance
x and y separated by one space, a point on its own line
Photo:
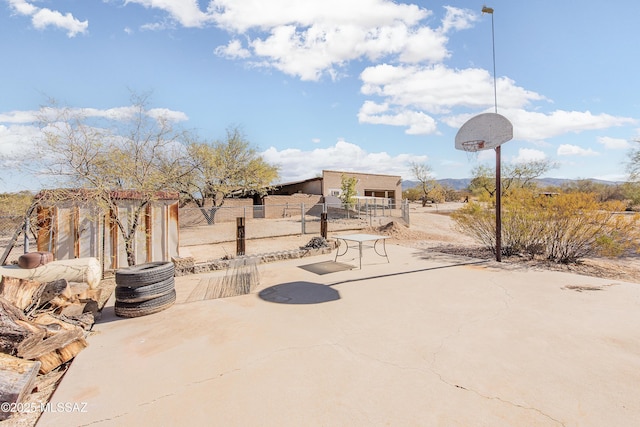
431 227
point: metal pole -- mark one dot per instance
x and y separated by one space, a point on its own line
493 44
497 149
498 208
498 155
26 234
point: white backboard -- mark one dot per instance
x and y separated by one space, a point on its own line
483 132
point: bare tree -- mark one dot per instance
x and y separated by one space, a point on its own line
423 173
134 152
633 164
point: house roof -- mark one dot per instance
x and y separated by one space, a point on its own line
304 181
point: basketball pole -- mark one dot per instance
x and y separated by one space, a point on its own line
489 10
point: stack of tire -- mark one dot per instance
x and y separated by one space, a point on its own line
145 289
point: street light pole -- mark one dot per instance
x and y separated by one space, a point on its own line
489 10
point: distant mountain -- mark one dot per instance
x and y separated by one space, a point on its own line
456 184
462 184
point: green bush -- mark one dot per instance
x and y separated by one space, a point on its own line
563 228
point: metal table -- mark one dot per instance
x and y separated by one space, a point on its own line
360 239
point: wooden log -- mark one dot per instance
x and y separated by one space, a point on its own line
22 293
66 333
17 380
49 362
29 294
84 320
70 351
55 358
17 334
52 290
240 236
72 310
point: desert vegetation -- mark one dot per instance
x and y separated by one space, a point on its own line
562 227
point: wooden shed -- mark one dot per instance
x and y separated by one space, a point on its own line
77 226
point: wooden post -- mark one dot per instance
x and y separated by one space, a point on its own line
323 225
240 237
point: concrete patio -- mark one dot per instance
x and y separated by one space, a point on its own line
425 340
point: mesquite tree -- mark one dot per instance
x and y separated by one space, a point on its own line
215 170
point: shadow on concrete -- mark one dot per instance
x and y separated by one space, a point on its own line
402 273
108 315
299 293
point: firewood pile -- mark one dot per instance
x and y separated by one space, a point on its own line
42 326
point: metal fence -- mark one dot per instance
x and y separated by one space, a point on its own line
13 239
213 225
216 225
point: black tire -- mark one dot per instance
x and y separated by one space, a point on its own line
146 292
137 309
144 274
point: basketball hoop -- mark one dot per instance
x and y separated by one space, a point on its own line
473 145
483 132
472 148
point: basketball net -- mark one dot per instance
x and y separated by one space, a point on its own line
471 148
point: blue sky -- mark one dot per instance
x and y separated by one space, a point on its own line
362 85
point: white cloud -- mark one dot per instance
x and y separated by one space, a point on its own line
242 15
484 156
535 126
574 150
233 50
116 113
614 143
165 113
185 12
526 155
18 129
457 19
417 123
158 26
19 117
42 18
15 139
530 125
310 39
437 88
298 164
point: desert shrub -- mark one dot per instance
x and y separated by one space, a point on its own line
562 228
15 204
436 194
477 219
451 194
13 207
412 194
